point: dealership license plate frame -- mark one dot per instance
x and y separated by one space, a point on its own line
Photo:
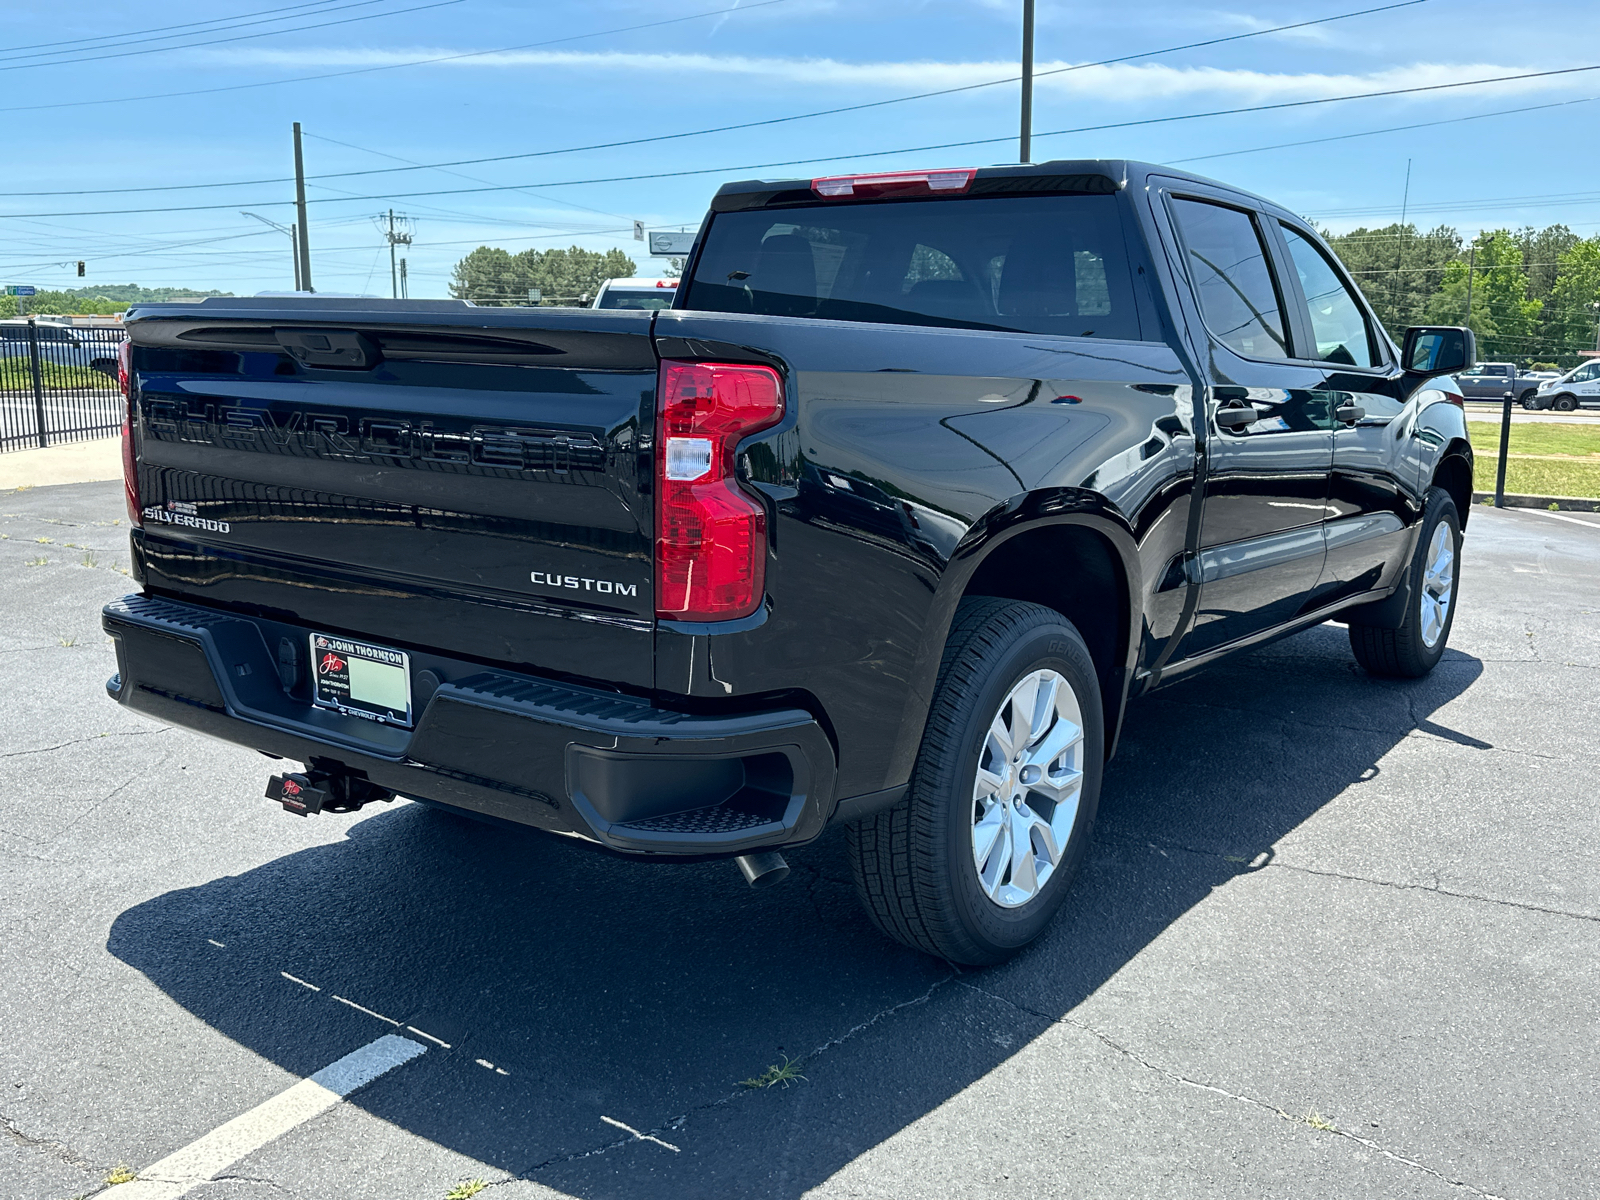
332 685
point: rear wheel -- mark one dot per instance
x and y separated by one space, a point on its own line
1413 647
1530 400
976 859
1564 403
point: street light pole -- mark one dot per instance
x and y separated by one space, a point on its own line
294 243
1025 142
1596 306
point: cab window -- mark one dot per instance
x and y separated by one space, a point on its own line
1338 326
1232 279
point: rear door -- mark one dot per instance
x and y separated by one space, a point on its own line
1267 481
469 481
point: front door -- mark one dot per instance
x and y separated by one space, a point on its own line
1373 497
1270 442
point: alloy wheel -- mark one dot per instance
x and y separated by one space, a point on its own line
1438 584
1029 782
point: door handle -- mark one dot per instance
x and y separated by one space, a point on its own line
1350 412
1233 418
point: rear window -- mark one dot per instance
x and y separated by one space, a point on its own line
1026 264
636 298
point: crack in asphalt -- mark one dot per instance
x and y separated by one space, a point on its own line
1395 885
59 1150
682 1119
271 1183
80 741
1201 1085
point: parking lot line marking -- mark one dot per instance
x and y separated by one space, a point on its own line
429 1036
203 1159
301 982
368 1011
643 1137
1539 512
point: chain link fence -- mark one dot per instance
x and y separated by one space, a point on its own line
58 383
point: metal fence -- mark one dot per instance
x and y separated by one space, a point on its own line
58 383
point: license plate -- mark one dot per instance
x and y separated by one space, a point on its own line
361 679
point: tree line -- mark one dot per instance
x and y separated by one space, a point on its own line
1530 295
490 275
103 300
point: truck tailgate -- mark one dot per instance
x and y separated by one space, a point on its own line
420 474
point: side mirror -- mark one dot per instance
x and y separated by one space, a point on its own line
1431 350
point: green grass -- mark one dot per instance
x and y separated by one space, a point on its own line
785 1073
121 1175
465 1190
1566 458
16 375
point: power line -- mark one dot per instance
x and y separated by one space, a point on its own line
239 87
186 30
1391 129
512 187
241 38
820 159
458 175
108 37
825 112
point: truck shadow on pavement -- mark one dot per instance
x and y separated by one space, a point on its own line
582 997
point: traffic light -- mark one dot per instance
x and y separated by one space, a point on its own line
80 270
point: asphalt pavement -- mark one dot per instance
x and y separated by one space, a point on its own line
1338 938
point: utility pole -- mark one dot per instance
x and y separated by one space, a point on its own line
1472 254
1400 251
303 245
1025 142
398 233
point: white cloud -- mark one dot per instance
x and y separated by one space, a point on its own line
1123 81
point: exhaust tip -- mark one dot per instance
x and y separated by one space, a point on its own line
763 870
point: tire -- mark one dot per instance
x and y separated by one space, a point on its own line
1527 399
1405 652
916 865
1564 403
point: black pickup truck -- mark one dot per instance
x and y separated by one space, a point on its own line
922 477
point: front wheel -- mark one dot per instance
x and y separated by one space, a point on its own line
1530 401
976 859
1565 403
1413 648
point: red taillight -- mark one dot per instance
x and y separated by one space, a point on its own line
130 467
894 183
711 538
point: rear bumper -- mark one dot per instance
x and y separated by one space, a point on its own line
605 767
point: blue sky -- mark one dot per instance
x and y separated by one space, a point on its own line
559 77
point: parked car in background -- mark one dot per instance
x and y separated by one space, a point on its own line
58 343
85 346
1578 388
636 293
1491 381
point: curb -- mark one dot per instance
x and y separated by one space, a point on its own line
1560 503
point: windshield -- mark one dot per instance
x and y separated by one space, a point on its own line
1024 264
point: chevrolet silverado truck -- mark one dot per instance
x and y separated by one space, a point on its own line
921 479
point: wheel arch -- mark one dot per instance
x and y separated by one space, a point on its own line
1454 474
1098 558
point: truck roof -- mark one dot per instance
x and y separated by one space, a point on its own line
1065 174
